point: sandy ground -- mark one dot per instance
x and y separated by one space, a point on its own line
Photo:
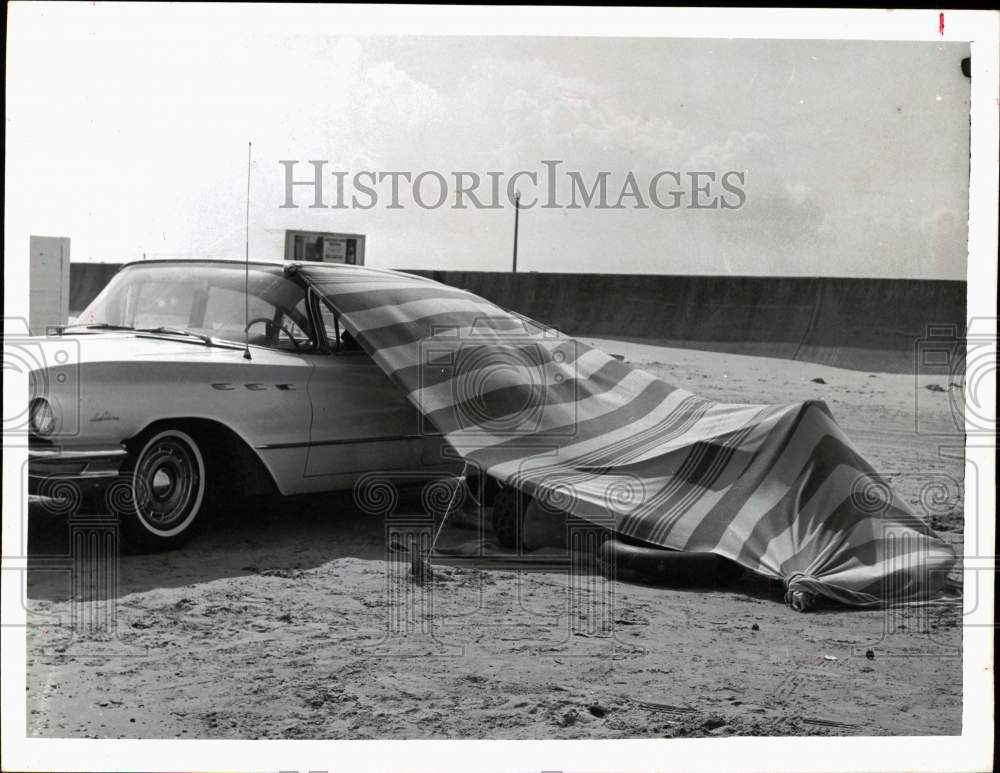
296 622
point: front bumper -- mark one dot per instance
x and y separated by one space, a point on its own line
84 465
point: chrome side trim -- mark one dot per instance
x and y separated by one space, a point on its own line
341 442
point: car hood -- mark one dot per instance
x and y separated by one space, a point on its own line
118 346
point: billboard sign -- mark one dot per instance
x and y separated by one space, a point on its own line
323 247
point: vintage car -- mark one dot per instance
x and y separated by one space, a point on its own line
188 392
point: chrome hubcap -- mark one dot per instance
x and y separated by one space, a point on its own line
167 482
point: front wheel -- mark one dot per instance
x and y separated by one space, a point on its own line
165 484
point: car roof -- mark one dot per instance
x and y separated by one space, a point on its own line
311 268
192 261
277 265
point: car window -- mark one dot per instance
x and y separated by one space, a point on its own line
227 311
339 338
211 300
291 323
330 325
163 303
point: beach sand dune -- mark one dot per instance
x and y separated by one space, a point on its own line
291 623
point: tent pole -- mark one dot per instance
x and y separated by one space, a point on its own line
420 565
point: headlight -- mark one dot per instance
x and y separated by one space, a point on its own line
41 417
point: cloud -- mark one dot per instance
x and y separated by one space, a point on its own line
140 145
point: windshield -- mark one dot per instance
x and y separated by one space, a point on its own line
205 300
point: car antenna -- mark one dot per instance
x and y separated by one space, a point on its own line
246 266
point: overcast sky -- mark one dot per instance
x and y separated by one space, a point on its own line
128 134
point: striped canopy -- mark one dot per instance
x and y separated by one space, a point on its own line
777 488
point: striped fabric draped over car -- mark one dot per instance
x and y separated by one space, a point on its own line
777 488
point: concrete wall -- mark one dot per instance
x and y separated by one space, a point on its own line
866 324
86 280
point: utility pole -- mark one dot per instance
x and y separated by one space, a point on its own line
517 210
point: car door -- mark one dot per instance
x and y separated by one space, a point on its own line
263 398
361 420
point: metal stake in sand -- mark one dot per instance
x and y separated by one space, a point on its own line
420 563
